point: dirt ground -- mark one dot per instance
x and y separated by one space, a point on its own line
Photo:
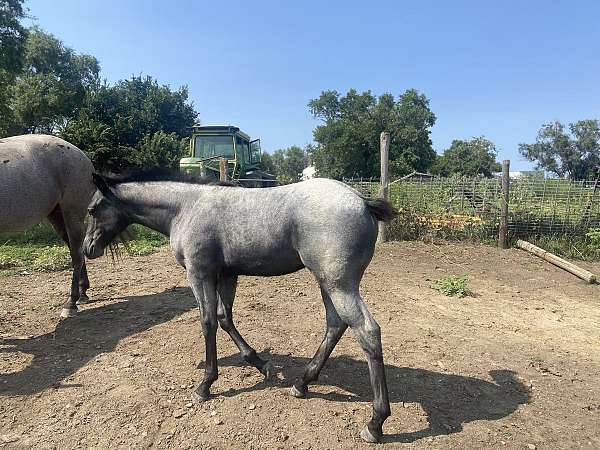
514 367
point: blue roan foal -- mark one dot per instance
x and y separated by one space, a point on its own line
220 232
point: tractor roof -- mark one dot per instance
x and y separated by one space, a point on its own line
219 129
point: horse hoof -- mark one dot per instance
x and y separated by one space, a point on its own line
83 299
68 312
268 370
297 392
197 398
367 436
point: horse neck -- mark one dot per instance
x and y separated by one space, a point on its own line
156 205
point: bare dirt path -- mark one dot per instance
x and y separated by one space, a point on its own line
516 366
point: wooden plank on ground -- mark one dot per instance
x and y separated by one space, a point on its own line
557 261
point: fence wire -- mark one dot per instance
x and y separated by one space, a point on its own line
470 207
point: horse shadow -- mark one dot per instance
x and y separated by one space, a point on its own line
57 355
448 400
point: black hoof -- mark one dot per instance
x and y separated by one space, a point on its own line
298 393
370 437
83 299
68 312
197 398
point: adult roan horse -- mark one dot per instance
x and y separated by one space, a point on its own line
220 232
45 177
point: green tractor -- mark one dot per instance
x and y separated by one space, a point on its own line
213 146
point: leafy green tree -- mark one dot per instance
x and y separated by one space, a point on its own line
348 139
288 164
266 163
575 156
134 123
471 158
51 86
12 36
12 50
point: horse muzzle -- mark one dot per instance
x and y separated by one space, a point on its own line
92 250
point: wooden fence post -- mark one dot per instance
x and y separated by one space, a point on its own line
384 146
503 231
222 169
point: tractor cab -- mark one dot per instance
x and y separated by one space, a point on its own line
210 144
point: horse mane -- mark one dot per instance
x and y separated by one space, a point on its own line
160 174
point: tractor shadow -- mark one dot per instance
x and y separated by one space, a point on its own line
57 355
448 400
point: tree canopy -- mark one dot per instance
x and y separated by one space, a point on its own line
51 86
12 49
575 156
348 139
46 87
288 163
473 157
136 122
12 36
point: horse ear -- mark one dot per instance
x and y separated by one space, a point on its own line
101 184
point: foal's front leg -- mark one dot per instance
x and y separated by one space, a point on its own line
226 287
205 291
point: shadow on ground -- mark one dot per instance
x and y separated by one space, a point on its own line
59 354
449 400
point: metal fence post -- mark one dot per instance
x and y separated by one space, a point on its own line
384 146
503 231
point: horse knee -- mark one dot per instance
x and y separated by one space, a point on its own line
368 334
372 328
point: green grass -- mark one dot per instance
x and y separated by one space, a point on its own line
40 249
453 286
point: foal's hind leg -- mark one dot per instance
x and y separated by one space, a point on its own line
226 287
335 329
352 311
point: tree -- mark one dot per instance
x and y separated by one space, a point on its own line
348 139
51 86
574 156
288 164
12 49
135 123
266 163
12 36
468 158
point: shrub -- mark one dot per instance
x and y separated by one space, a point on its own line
453 286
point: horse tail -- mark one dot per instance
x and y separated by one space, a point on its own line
381 209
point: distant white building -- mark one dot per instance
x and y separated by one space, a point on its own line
519 173
308 173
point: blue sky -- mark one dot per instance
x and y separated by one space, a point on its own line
494 68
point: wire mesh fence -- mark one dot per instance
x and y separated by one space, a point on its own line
470 207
